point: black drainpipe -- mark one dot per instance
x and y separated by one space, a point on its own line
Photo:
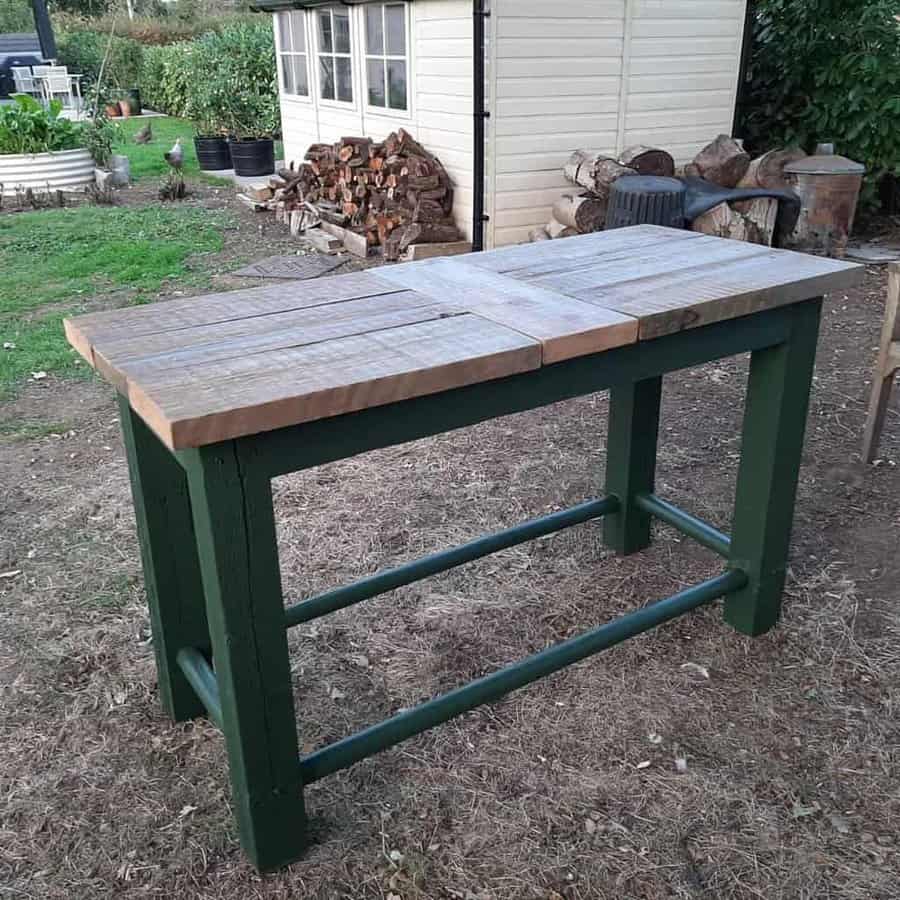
43 28
746 53
479 14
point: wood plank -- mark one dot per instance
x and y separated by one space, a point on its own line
585 277
212 402
84 332
566 327
440 248
508 259
687 298
151 356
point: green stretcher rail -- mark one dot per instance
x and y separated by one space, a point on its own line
695 528
492 687
389 579
202 679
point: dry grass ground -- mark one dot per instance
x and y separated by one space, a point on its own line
567 789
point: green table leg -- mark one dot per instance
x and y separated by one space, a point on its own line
631 461
235 524
774 424
168 551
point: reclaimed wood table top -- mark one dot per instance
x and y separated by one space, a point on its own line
220 366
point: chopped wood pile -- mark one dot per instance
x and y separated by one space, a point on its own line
390 194
723 162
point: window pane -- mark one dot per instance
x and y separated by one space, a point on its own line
374 31
325 31
284 30
396 84
326 77
298 32
344 79
341 32
287 75
301 85
375 76
395 26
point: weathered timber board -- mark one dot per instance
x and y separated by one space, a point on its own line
565 327
263 391
155 356
175 315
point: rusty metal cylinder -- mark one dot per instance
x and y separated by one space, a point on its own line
828 187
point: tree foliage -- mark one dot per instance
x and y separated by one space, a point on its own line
826 70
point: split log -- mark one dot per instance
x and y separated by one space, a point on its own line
582 212
755 224
555 229
767 171
606 171
723 162
580 166
648 161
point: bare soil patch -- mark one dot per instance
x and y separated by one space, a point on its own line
791 740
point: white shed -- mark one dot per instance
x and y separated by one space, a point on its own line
547 78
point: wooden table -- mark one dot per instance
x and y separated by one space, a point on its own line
221 393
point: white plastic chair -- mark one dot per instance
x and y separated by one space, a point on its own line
39 75
58 82
24 80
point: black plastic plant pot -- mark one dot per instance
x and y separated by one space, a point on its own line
213 153
134 99
253 157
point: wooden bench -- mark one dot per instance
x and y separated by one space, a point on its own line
220 393
886 365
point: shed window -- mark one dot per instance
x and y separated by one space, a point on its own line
292 53
386 57
335 71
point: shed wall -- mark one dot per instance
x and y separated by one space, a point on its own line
601 74
440 114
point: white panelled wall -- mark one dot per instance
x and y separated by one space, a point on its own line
599 74
439 75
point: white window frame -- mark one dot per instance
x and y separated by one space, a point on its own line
295 16
386 110
334 56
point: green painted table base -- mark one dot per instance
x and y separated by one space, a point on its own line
207 534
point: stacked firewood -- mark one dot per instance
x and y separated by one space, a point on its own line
583 209
390 194
723 162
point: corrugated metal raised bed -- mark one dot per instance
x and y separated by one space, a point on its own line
68 170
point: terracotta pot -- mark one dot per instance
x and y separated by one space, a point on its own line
125 108
112 110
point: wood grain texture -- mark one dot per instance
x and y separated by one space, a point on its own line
153 356
220 366
565 327
88 331
202 404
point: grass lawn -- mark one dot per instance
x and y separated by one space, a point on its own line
147 159
52 260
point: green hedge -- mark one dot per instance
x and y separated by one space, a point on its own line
83 52
826 70
225 81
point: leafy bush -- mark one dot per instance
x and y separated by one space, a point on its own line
98 136
16 16
826 70
169 79
83 52
238 84
27 127
225 81
171 24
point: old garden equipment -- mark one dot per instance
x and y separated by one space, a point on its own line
828 186
494 333
674 202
